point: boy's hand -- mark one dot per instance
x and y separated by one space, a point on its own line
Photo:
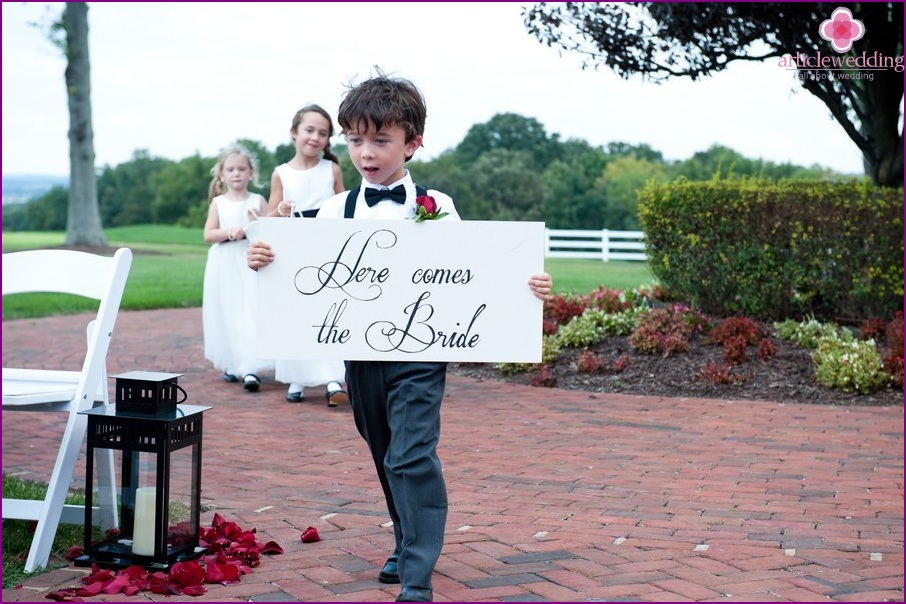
259 254
541 286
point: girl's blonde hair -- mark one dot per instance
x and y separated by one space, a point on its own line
297 119
218 187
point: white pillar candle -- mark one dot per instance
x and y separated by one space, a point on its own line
143 529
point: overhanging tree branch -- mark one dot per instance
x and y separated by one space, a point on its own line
694 39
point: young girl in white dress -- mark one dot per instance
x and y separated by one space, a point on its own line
298 188
229 312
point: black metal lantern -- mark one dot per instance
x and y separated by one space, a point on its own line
158 502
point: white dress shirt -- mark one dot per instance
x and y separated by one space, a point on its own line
387 209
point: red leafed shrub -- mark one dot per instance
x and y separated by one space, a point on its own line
893 365
872 328
588 362
673 342
622 362
894 333
662 330
735 350
561 308
543 378
893 360
659 293
747 329
720 374
606 300
766 350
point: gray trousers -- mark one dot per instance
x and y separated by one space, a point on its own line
396 406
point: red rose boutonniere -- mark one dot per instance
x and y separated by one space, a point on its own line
426 209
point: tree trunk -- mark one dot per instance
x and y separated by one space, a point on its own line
83 225
881 126
883 157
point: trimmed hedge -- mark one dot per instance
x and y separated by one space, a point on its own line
776 250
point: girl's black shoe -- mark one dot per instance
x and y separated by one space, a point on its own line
229 377
251 382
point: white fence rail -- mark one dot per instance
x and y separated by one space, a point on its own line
602 245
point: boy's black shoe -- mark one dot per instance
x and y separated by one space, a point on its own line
415 594
389 574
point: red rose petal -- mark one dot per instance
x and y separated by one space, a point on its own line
271 547
195 590
90 590
74 552
310 535
231 551
62 595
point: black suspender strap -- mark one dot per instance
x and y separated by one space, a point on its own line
349 211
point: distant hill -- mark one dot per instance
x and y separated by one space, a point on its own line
20 188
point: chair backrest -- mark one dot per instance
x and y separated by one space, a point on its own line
102 278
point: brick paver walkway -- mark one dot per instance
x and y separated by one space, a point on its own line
554 495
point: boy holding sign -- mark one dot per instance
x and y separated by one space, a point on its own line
396 404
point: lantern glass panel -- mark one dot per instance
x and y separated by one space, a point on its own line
183 521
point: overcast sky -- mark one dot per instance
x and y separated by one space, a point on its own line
179 78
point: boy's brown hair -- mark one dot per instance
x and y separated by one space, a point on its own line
384 101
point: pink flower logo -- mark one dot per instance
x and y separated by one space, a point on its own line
841 30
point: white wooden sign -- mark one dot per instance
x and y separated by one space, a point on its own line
394 290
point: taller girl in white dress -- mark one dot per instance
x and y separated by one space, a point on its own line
229 309
298 188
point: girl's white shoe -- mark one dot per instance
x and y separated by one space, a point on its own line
336 394
295 393
251 382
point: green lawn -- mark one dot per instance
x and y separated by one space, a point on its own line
168 271
582 276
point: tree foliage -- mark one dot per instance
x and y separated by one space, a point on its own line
619 184
510 132
694 39
567 184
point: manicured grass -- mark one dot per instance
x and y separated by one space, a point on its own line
168 271
17 534
582 276
14 242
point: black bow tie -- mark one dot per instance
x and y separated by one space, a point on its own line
397 194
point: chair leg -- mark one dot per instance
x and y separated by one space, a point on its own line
57 489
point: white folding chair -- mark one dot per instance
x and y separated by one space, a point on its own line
101 278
